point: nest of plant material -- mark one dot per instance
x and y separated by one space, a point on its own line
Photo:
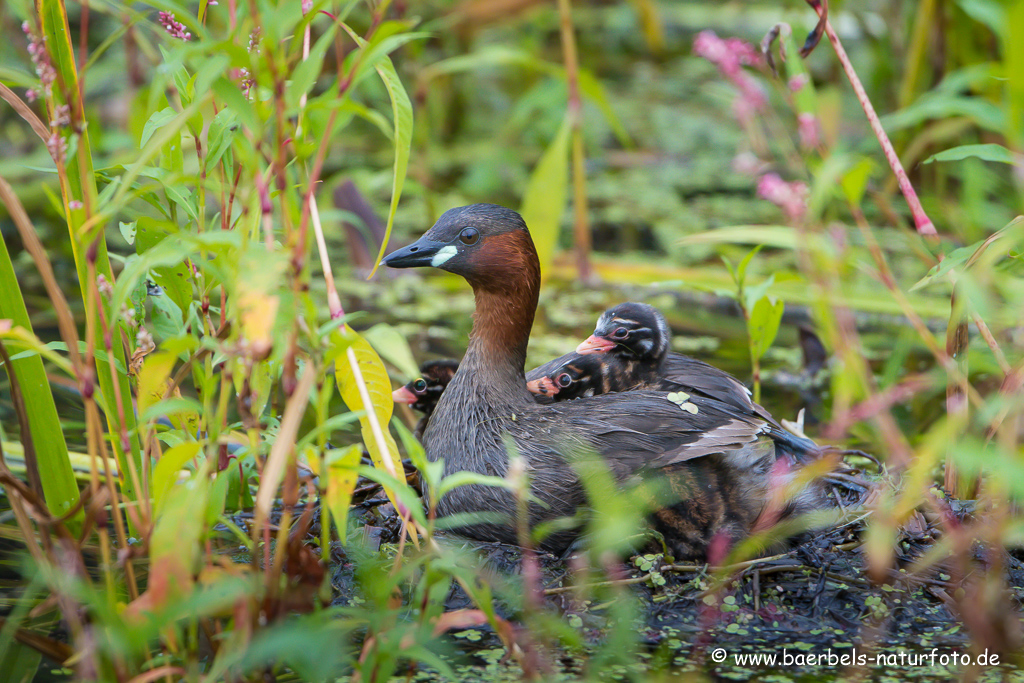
816 597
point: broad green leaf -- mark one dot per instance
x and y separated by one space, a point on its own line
764 324
992 13
390 344
546 194
20 663
174 546
167 469
166 317
989 116
305 74
128 231
1013 45
987 152
78 183
51 451
342 473
229 93
163 257
855 181
157 121
220 137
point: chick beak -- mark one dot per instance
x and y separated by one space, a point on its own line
595 344
543 386
403 395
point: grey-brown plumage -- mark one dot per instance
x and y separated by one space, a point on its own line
636 434
423 393
637 336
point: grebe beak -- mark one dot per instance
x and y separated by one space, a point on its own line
419 254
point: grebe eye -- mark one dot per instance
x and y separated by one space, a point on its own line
469 236
419 386
620 333
563 380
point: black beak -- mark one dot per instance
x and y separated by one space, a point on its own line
419 254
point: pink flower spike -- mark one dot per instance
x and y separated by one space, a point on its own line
74 205
174 27
790 197
807 125
730 56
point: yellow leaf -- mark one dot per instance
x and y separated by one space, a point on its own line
342 465
355 364
153 377
258 311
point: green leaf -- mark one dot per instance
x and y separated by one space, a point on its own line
163 255
741 269
229 93
305 74
855 181
20 662
165 473
390 344
754 293
51 450
157 121
964 257
988 152
592 88
457 479
546 195
401 109
220 137
127 231
989 116
86 233
763 327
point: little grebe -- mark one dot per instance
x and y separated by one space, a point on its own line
638 335
575 375
715 458
423 393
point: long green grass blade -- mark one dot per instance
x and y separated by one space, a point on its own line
78 185
51 450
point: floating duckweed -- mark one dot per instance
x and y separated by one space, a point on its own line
681 399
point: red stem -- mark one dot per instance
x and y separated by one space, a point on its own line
921 221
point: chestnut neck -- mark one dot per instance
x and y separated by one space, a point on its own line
506 293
